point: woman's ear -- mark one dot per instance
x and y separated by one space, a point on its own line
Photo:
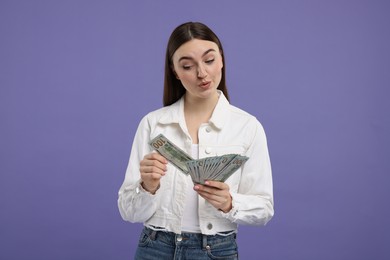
220 53
174 72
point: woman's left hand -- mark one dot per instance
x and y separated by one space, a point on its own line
217 193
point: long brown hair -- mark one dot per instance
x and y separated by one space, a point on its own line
173 89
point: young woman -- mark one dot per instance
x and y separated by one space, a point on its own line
183 220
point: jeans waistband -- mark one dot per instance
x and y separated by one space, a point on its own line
189 239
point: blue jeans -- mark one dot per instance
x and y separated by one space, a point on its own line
161 245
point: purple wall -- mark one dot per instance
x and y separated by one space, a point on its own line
77 76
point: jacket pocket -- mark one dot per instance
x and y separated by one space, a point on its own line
229 149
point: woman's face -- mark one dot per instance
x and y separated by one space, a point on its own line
198 65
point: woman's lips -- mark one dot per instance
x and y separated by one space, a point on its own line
205 85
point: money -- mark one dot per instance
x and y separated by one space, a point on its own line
218 168
230 168
171 152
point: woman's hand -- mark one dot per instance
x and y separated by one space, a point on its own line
152 168
217 193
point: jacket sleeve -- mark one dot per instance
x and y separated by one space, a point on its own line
253 202
134 203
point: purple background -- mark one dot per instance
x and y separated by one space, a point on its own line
77 76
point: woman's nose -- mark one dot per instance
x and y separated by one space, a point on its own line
201 72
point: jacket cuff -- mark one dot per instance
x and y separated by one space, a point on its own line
140 189
231 215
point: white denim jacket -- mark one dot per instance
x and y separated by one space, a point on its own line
230 130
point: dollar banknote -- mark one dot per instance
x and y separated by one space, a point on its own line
218 168
171 152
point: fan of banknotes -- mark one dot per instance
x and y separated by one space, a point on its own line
217 168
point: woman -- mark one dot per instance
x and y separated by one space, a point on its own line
183 220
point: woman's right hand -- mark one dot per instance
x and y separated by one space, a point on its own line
152 168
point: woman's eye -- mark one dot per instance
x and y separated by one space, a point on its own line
186 67
209 61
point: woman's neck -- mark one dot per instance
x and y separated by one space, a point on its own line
200 106
197 112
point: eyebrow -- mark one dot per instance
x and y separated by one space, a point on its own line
190 58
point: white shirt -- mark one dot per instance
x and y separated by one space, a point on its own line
229 130
190 219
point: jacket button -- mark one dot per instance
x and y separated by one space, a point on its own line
208 150
208 129
209 226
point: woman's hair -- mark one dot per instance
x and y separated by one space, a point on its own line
173 89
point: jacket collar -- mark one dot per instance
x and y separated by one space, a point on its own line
175 113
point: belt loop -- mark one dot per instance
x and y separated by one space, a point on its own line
204 241
153 235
